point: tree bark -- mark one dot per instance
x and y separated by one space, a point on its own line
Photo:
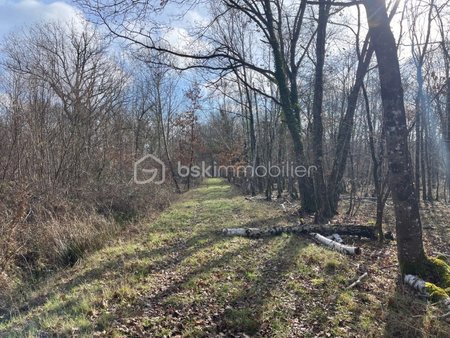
411 254
345 131
346 124
290 105
377 162
324 211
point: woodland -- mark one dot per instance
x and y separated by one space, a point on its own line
327 128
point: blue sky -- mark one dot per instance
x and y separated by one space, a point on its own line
16 13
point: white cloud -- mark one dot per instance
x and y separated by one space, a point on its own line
14 14
179 39
194 18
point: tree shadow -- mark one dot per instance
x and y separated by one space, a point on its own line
117 266
273 273
406 315
171 255
266 222
175 253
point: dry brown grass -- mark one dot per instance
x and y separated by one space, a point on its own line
43 231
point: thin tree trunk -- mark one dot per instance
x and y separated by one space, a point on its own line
281 147
166 147
418 146
376 163
324 210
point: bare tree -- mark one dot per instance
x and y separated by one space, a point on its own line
73 66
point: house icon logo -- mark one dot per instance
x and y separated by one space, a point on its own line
147 168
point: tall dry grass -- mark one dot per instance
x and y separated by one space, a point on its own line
43 231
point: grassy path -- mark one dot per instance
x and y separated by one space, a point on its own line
182 278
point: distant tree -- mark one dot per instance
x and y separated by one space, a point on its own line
75 91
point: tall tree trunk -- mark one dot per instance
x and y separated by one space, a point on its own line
258 180
422 162
324 210
411 254
418 140
447 135
447 109
165 137
192 153
290 107
428 162
280 157
253 148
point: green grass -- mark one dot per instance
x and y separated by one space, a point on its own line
181 276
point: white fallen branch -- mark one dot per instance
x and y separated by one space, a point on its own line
347 249
240 231
417 284
336 238
358 281
257 233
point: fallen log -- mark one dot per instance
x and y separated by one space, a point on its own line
342 248
359 230
326 230
257 233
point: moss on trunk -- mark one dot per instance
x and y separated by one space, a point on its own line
436 293
437 273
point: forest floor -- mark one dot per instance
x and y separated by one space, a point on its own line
179 276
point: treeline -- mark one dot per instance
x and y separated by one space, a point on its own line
75 115
331 113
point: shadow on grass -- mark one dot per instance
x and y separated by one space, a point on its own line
171 256
407 316
212 190
245 312
266 222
